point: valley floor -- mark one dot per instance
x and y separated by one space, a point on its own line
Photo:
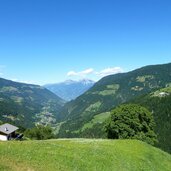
82 155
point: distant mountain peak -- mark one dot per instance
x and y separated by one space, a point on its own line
70 89
68 82
86 81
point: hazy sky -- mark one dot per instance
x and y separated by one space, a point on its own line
46 41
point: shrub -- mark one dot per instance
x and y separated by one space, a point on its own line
39 133
131 122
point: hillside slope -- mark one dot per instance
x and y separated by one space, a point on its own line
82 155
159 103
70 90
110 92
24 104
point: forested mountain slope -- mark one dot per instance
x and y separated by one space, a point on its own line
159 103
26 104
110 92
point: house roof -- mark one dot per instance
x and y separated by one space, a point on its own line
8 128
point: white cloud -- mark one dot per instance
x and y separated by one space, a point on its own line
87 71
95 74
72 73
109 71
81 73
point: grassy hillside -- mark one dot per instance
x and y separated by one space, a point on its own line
82 155
158 102
24 104
109 92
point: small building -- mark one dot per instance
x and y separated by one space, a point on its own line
163 94
7 132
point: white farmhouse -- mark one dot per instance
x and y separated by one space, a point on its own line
7 132
163 94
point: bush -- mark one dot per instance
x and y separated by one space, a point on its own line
39 133
131 122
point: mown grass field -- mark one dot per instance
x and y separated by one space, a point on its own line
82 155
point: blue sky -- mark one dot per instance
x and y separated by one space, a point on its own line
47 41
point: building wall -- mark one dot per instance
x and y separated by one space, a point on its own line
3 138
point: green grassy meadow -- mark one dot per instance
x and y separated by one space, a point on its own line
82 155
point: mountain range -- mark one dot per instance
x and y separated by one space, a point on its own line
150 86
70 90
27 105
85 116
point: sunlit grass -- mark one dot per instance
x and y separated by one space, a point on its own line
82 155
